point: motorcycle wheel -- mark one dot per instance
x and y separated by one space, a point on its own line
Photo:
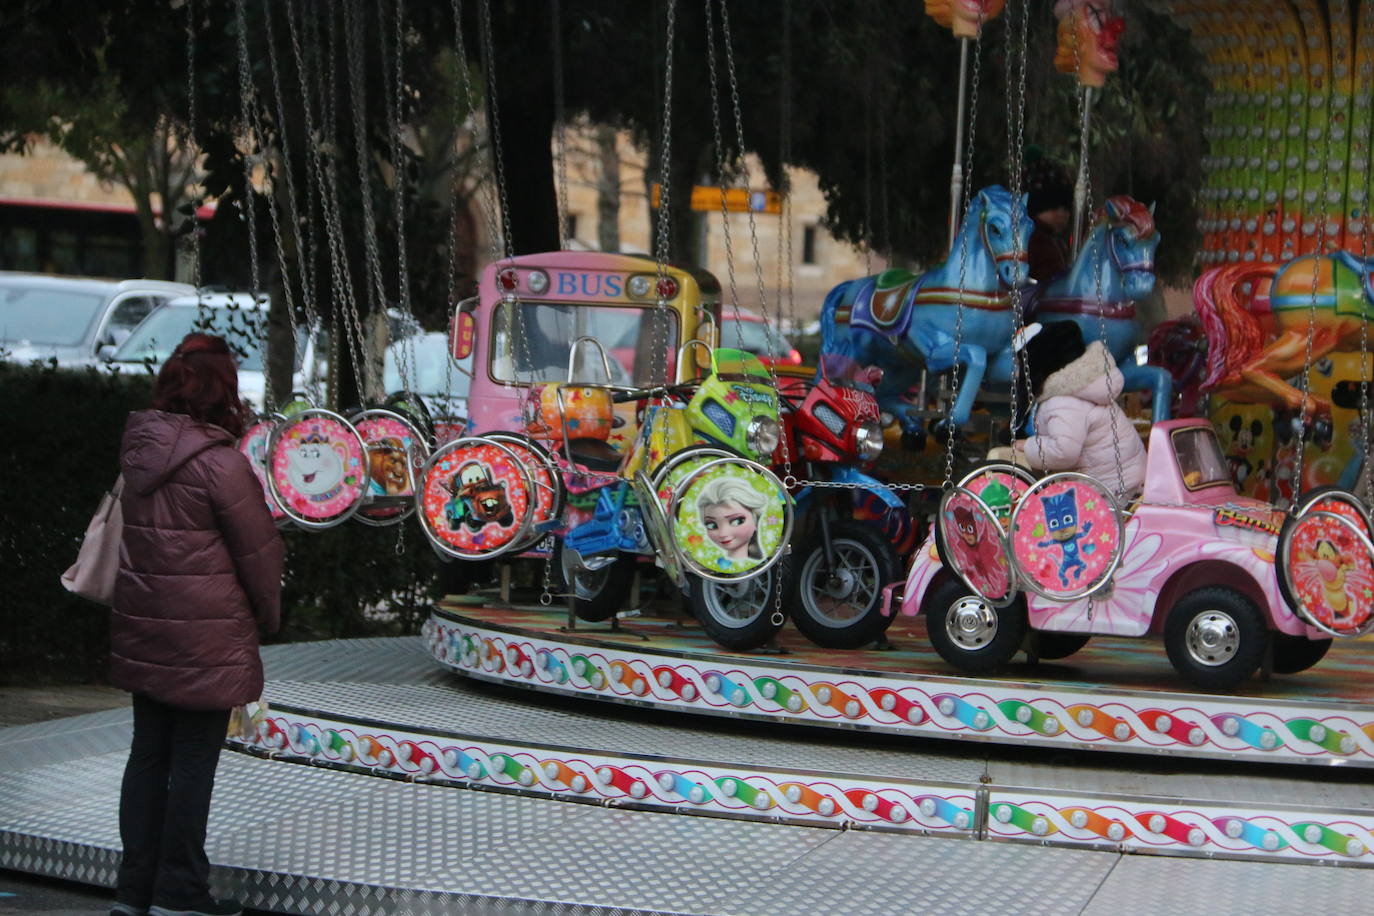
842 607
737 615
596 594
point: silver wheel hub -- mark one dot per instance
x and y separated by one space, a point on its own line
971 623
840 584
1212 638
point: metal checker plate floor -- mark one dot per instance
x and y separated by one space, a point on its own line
304 840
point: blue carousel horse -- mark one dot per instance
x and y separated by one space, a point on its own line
890 319
1115 269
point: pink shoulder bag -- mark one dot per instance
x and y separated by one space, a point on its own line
92 576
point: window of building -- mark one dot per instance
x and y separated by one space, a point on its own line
808 245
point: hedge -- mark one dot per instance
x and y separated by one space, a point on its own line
61 447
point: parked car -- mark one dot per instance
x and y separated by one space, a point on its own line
234 316
71 319
423 365
748 331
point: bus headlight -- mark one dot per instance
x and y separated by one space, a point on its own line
868 440
762 435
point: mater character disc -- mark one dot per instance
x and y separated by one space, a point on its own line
1326 572
317 468
544 476
973 545
1066 537
396 450
475 500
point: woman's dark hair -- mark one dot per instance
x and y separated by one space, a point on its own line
201 381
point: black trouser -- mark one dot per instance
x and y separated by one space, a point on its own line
164 804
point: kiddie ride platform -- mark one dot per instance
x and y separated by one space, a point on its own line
1201 795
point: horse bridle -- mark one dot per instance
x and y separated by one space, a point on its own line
1147 264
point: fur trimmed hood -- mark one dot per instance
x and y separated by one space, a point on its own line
1084 377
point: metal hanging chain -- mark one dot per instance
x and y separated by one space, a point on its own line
308 248
560 130
487 207
753 224
254 140
1084 168
405 349
662 248
966 204
193 149
517 312
1364 353
283 264
304 255
721 177
1301 432
868 165
357 94
325 180
1018 52
353 325
489 53
784 156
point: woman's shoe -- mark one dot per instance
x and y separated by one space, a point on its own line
212 908
128 909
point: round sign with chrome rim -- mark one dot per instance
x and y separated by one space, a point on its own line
1326 572
253 445
972 544
1341 502
544 476
317 468
657 529
396 450
475 499
1000 485
731 518
1066 537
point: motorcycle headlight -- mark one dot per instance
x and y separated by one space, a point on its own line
762 435
868 440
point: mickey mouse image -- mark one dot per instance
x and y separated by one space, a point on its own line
1242 440
477 500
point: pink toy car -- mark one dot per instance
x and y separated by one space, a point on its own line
1198 567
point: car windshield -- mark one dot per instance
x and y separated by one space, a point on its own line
161 331
637 342
427 366
1199 458
38 315
754 336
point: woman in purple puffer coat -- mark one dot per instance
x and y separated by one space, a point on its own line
199 573
1078 425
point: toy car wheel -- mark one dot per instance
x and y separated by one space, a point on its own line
970 632
596 594
1297 653
839 605
738 615
1215 637
1054 646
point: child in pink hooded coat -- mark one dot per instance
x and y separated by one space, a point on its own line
1078 425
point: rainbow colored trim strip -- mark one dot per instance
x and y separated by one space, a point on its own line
659 783
1232 727
970 810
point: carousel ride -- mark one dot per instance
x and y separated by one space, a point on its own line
676 501
633 462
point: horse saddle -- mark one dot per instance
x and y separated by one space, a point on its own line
887 309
